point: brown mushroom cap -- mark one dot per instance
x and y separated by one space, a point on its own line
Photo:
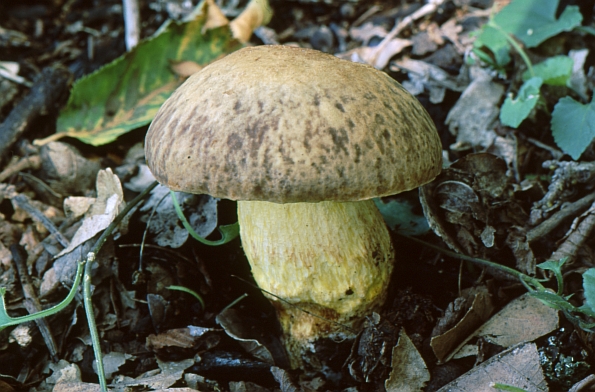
285 124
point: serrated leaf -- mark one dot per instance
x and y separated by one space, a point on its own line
515 110
573 126
555 71
126 93
534 21
589 289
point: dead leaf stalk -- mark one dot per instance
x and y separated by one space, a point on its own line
32 162
579 232
87 282
22 202
31 302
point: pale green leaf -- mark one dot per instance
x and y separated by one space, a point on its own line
573 126
589 289
495 40
515 110
534 21
555 71
126 93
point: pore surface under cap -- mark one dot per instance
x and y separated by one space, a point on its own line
285 124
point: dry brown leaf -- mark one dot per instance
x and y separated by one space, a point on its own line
376 58
256 13
518 366
524 319
185 69
444 344
410 372
215 17
107 205
473 118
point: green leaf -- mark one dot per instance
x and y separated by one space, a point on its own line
573 126
495 40
189 291
398 215
589 289
556 267
555 71
553 300
126 93
534 21
515 110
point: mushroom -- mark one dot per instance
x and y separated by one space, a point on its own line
303 141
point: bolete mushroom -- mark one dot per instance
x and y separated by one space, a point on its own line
303 141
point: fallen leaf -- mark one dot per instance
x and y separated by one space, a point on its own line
445 344
518 366
410 372
473 118
107 205
126 93
523 320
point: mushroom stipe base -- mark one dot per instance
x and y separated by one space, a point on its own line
333 259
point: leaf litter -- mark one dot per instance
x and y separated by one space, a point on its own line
518 192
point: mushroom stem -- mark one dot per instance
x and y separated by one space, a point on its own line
333 259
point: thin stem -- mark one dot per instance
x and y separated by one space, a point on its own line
526 279
87 283
517 47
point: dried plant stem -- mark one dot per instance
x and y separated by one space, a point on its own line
87 283
33 162
578 234
31 301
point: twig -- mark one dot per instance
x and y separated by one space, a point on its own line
33 162
577 236
31 301
87 281
564 180
553 221
45 93
427 9
131 23
23 203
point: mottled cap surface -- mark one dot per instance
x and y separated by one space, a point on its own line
285 124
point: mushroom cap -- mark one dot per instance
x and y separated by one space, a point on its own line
285 124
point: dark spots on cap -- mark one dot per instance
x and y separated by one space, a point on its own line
358 153
369 96
379 118
349 291
340 139
286 157
316 167
189 157
234 142
340 171
386 135
308 136
347 99
316 100
340 107
350 124
323 160
258 191
260 107
237 107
